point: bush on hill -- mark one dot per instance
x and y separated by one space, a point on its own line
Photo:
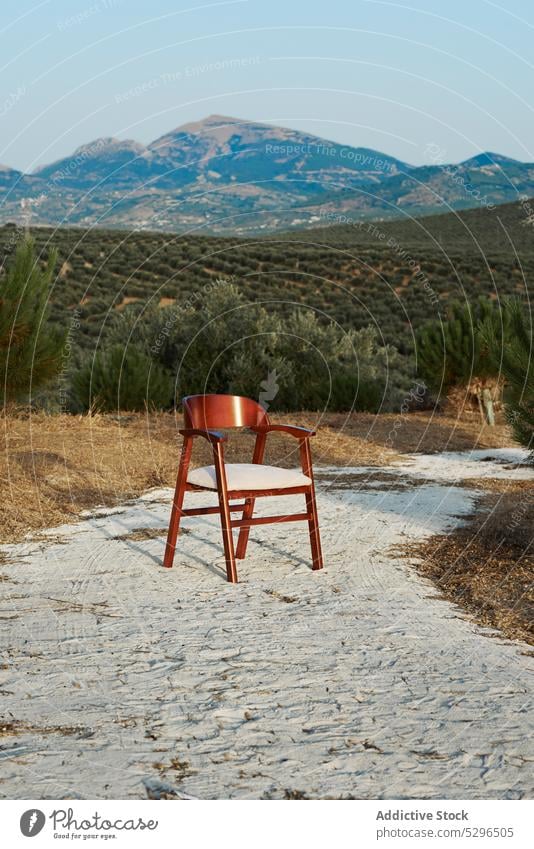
231 345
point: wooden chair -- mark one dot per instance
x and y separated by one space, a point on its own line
203 413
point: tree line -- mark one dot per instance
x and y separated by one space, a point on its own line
222 342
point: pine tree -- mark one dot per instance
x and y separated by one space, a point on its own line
31 348
515 362
452 352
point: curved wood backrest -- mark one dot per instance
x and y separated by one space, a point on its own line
209 412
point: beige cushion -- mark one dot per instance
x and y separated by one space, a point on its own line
249 476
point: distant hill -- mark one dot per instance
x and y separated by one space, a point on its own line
505 229
394 274
225 175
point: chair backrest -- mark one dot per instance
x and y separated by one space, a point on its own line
222 411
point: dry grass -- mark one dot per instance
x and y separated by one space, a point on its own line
487 566
12 728
52 467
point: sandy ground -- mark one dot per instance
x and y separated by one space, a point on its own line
121 680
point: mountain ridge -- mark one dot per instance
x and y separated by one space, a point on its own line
224 174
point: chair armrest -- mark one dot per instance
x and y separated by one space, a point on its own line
291 430
213 436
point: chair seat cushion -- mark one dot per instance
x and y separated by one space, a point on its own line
249 476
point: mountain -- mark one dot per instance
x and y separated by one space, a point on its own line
223 175
15 190
242 151
105 160
488 158
8 177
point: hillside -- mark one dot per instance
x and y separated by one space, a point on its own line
350 275
226 175
507 228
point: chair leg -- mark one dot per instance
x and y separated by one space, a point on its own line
176 511
228 542
313 525
311 506
242 540
226 526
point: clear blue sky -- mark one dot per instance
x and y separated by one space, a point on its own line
395 76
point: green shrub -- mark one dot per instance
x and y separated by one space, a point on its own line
515 362
230 345
453 352
121 379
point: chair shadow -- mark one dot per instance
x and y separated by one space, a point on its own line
138 548
141 550
282 553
